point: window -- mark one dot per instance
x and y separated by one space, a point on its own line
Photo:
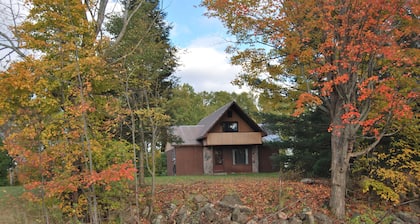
173 155
240 156
230 126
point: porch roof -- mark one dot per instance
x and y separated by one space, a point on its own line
188 134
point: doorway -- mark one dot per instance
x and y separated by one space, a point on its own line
218 160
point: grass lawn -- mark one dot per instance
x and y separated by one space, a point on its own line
11 207
161 180
10 191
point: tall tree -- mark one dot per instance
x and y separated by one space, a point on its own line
145 61
58 104
353 59
214 100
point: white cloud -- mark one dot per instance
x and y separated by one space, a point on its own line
207 68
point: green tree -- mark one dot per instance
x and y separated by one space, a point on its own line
305 142
186 106
144 62
214 100
348 58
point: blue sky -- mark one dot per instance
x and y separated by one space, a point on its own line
201 42
189 22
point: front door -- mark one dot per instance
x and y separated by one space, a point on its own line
218 160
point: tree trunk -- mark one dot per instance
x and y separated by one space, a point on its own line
141 164
340 145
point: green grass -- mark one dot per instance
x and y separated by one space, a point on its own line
11 207
10 191
210 178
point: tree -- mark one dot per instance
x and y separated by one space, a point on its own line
214 100
353 60
304 144
187 107
145 62
58 104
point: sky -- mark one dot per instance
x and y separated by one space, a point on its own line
201 41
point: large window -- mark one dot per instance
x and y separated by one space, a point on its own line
240 156
230 126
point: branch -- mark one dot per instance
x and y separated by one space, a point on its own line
11 45
101 15
376 142
385 135
127 18
5 56
367 149
11 13
136 46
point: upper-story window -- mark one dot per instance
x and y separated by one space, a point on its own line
230 126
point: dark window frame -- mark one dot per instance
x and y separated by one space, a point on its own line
230 126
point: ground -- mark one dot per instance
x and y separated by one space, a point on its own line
265 194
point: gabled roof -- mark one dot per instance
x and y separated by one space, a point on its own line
209 121
192 134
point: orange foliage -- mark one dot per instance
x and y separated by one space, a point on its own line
304 100
351 115
366 87
114 173
360 55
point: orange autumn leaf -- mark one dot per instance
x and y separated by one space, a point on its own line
306 99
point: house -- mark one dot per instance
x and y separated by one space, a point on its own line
226 141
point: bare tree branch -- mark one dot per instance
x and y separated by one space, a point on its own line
11 45
101 16
383 133
12 15
128 14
